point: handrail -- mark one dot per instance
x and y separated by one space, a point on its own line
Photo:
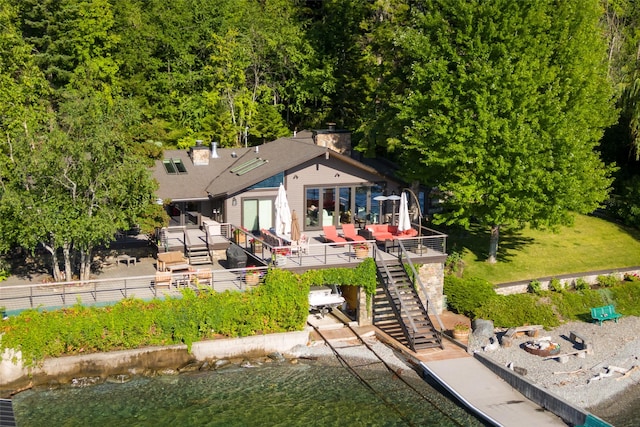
395 289
403 254
32 295
43 295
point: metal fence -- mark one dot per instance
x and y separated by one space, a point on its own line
108 291
311 255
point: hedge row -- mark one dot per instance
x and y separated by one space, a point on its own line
476 298
279 305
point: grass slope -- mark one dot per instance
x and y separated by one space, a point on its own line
591 244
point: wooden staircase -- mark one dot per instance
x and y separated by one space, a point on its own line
398 310
198 251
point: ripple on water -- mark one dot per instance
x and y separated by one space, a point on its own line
304 394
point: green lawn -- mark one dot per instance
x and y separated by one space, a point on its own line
591 244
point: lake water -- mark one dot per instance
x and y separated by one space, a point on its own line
622 410
278 394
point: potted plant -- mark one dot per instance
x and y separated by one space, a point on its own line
239 236
280 256
256 246
361 249
461 331
252 277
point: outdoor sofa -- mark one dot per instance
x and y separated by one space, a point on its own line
383 232
169 260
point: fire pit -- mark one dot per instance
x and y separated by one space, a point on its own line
542 348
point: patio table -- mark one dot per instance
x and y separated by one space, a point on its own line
127 259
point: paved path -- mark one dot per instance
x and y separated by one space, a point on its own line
487 394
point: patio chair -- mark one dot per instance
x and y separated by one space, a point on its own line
331 235
349 233
300 246
163 279
204 276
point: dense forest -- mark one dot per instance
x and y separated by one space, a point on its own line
518 112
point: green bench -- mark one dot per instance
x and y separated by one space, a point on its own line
607 312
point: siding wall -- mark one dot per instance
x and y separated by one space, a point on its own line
319 172
322 172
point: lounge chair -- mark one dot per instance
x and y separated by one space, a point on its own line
349 233
331 235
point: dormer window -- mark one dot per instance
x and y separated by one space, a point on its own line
174 166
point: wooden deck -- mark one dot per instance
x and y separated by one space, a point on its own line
317 254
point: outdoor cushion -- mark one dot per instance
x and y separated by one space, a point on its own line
389 232
349 232
270 238
382 231
331 235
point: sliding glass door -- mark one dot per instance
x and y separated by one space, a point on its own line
257 214
340 205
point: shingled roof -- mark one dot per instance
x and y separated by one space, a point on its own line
221 176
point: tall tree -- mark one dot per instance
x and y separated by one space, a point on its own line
22 111
503 107
73 41
79 184
622 18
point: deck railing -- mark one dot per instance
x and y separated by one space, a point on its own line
108 291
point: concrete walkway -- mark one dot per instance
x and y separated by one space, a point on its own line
473 384
488 395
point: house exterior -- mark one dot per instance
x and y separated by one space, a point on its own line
324 184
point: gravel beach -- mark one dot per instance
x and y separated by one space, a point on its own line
592 382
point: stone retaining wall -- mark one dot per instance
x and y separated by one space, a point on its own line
591 277
138 361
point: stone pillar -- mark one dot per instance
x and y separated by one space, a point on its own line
364 310
432 277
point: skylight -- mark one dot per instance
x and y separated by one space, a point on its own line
174 166
248 166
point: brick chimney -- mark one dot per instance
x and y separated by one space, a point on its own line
199 154
336 140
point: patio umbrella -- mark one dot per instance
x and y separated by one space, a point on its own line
295 226
404 221
283 213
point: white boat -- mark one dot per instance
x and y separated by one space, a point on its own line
323 299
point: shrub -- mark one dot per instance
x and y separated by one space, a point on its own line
576 305
279 305
626 297
454 265
518 309
534 287
464 296
631 277
581 284
608 281
556 285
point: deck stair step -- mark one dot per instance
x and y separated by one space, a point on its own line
199 257
197 252
399 311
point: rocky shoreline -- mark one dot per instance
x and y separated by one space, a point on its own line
598 382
